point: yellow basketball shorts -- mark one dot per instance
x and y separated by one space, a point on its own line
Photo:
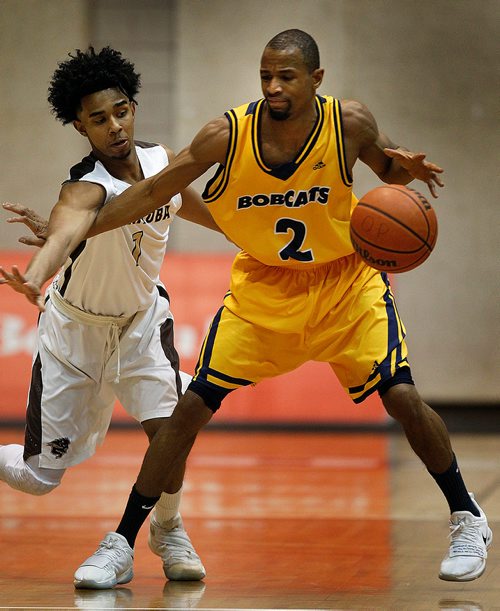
275 319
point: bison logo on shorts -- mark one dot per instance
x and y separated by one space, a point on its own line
59 447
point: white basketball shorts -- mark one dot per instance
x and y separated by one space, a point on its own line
83 362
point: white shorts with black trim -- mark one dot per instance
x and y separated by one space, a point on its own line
83 363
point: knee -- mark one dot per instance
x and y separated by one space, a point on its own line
27 476
190 415
152 426
40 480
31 484
402 402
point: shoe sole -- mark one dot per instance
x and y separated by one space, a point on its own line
182 574
469 577
89 584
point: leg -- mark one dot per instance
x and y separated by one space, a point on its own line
167 535
220 360
171 445
166 456
427 434
26 476
424 429
60 423
173 486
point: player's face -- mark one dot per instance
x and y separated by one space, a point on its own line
107 120
287 84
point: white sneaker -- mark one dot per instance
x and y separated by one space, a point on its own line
111 564
470 538
172 544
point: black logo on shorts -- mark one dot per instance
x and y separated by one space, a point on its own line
59 447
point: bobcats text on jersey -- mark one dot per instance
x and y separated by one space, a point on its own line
290 199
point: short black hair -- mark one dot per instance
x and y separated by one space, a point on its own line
301 40
87 72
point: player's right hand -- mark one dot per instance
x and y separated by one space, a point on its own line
22 285
32 220
417 166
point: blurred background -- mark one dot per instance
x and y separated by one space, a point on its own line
428 71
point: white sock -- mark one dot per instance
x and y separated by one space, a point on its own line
167 507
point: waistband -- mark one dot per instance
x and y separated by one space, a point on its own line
82 316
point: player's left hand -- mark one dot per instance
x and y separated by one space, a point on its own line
32 220
416 166
22 285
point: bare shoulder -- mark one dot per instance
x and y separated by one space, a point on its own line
211 142
356 118
215 127
82 194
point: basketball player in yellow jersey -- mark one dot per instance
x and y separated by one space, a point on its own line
282 192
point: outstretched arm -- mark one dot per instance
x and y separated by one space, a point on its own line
208 147
392 163
69 222
193 209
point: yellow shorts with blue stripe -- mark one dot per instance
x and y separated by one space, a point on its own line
274 319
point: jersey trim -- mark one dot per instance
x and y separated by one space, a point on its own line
145 145
203 369
217 184
81 169
339 135
395 358
286 170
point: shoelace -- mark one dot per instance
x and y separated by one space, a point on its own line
468 535
109 545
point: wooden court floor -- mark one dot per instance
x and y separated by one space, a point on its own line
281 520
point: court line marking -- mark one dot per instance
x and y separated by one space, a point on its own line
179 608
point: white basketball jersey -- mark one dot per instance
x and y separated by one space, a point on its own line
116 273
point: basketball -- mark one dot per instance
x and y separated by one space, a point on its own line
393 228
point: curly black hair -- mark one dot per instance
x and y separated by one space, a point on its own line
87 72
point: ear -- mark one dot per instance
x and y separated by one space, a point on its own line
133 106
78 125
317 77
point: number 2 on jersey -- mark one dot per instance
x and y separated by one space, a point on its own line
292 249
136 251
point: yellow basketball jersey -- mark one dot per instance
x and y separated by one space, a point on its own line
294 215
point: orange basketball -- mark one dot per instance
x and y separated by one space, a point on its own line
393 228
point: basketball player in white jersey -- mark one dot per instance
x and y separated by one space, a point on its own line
105 329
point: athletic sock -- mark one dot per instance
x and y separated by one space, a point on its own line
137 510
453 487
167 507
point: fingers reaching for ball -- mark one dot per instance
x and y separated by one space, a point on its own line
417 166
